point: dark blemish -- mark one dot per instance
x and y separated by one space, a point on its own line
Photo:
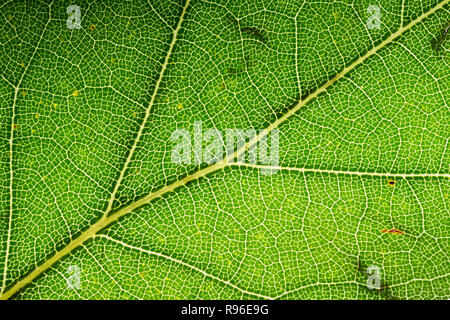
255 32
386 292
384 289
236 70
391 182
92 27
438 41
232 19
359 265
233 70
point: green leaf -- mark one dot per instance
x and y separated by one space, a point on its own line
92 205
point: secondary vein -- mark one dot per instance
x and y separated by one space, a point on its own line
106 220
147 111
11 143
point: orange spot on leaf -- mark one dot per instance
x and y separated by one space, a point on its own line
392 231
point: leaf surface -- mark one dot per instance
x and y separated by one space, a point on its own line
87 178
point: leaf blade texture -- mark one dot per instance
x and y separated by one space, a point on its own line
87 178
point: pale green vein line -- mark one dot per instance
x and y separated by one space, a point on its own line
108 274
157 254
355 283
296 49
108 220
157 14
316 284
11 141
343 172
147 111
423 67
343 73
402 13
104 221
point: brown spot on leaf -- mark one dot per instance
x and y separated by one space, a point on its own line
393 230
